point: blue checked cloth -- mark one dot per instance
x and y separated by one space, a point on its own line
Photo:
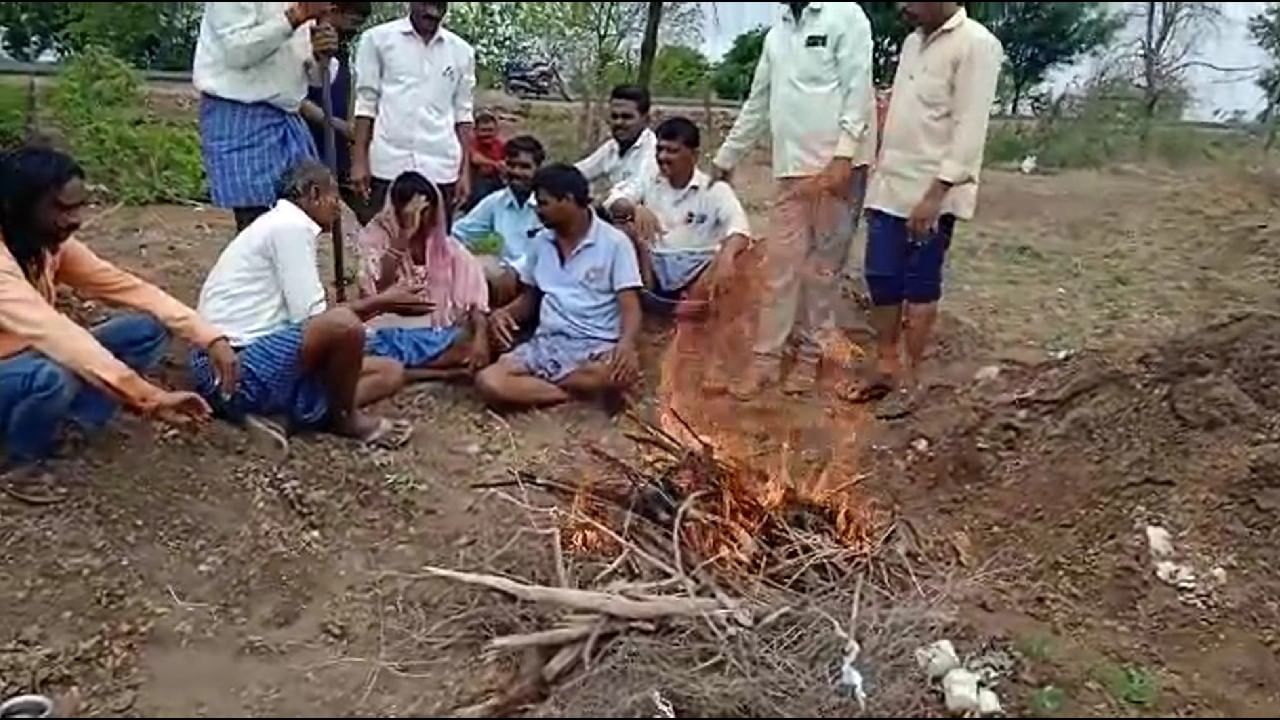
247 149
271 382
413 348
554 357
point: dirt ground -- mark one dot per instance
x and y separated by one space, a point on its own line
188 576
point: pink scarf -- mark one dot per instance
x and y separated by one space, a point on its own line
453 278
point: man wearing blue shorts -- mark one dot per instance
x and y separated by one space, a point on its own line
299 359
926 180
582 281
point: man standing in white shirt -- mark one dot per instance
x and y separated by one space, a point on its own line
415 88
811 89
251 70
629 153
298 359
927 179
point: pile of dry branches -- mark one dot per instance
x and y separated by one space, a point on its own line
681 554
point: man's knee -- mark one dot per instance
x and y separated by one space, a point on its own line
52 385
339 326
490 383
139 339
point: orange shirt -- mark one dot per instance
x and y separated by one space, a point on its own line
29 320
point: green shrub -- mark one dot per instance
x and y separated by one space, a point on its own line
99 108
14 103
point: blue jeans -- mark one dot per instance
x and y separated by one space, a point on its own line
37 395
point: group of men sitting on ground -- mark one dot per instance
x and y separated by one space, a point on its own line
555 314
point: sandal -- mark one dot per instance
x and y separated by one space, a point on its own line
33 486
899 404
268 436
801 380
389 435
862 392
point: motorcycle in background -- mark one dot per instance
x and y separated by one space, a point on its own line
532 79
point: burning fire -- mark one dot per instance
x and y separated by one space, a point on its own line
770 468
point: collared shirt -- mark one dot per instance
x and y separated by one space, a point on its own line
29 320
249 52
418 92
699 216
267 278
811 87
517 224
938 117
580 294
608 164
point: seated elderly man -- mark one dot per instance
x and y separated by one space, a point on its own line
53 372
690 233
299 359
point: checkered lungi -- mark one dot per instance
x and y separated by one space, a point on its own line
247 148
272 382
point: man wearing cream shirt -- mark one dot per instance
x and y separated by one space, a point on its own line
926 180
811 89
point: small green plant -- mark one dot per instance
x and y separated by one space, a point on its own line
1037 647
14 103
99 108
1130 684
490 244
1048 700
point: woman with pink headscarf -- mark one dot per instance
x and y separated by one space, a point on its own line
407 244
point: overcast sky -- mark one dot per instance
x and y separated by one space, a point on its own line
1215 93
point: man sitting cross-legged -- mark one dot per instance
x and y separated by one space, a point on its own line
53 371
511 214
690 233
297 358
583 282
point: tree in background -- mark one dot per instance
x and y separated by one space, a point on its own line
1264 27
732 78
1039 36
680 71
151 35
888 30
649 45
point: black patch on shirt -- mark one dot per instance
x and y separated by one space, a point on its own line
815 41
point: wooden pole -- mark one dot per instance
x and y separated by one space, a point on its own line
331 159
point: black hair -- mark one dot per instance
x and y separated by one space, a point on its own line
681 130
302 178
27 175
443 7
359 9
526 145
409 185
561 181
633 93
485 116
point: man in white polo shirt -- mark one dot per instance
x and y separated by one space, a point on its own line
415 87
690 233
629 154
811 90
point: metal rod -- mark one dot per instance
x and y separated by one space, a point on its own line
331 159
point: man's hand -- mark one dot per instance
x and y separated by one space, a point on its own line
462 191
181 408
923 221
226 366
624 365
410 221
361 176
647 225
324 43
301 12
836 178
504 328
405 301
719 174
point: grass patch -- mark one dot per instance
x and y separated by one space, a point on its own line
1038 647
1047 701
1129 684
15 99
99 111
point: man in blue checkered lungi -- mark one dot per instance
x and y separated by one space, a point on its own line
251 68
